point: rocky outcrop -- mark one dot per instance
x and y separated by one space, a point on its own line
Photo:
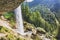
9 5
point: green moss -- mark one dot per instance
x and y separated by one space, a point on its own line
37 38
19 39
10 16
3 29
10 35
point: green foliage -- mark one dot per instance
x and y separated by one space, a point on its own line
8 15
25 11
39 16
3 29
42 17
11 17
10 35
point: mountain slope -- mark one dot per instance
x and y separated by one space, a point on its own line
41 16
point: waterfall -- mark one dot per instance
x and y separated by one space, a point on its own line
19 20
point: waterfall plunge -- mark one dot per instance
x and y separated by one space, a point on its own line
19 20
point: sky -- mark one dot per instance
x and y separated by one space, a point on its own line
29 0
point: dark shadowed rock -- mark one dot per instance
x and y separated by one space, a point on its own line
9 5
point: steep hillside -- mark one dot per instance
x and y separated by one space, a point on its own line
40 23
42 16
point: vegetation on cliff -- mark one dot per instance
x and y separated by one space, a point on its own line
40 20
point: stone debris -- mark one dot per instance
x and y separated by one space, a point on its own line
2 34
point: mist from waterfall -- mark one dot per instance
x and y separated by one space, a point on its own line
19 20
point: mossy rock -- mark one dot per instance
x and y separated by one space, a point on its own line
36 37
4 30
28 26
9 5
40 30
10 34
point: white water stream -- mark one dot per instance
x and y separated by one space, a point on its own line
19 20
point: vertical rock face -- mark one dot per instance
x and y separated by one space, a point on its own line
9 5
